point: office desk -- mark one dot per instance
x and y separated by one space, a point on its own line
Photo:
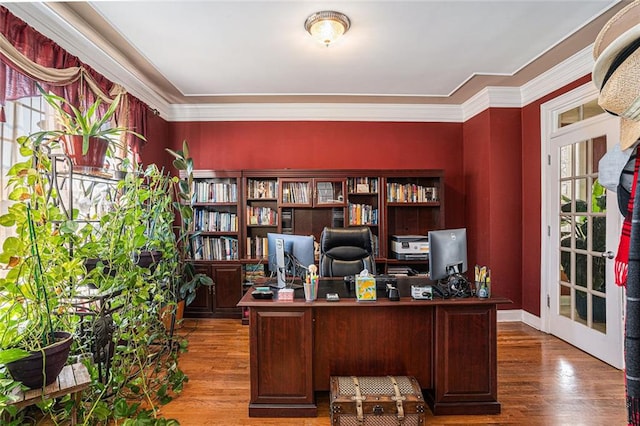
448 345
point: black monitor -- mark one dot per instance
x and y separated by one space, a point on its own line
299 253
447 253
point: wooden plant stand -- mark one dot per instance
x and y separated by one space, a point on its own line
73 379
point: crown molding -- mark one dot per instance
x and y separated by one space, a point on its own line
567 71
49 19
316 112
491 97
94 52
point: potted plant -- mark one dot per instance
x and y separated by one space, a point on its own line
86 135
36 292
188 280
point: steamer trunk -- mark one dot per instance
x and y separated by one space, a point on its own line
376 401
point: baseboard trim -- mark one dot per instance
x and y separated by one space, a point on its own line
510 315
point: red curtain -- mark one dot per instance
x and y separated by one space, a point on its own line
45 52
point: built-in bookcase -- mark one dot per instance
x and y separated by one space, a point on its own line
215 243
236 210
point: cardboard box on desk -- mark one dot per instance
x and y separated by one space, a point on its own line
365 288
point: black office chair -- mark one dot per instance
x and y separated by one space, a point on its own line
346 251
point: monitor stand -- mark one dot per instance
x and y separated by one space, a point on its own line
281 267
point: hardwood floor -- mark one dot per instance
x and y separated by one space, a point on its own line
542 381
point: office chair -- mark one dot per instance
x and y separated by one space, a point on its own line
346 251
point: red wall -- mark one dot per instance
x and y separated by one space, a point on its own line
157 140
491 165
493 198
330 145
531 197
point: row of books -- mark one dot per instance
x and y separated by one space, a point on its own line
215 192
262 216
376 245
253 271
362 214
362 185
262 188
410 193
214 248
213 221
295 193
257 248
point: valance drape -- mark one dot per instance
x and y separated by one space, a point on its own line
26 57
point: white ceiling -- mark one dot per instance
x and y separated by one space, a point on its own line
396 52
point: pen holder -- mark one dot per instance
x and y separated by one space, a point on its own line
311 291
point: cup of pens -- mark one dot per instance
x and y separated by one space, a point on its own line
311 285
483 281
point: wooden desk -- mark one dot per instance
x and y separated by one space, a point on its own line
73 379
448 345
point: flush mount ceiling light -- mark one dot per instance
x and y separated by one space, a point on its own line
327 26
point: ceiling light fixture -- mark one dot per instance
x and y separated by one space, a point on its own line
327 26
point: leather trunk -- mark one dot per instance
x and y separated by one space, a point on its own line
376 401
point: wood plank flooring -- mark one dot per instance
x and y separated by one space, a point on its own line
542 381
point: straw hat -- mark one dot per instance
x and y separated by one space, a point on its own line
616 72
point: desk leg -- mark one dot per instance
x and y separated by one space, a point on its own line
466 378
281 357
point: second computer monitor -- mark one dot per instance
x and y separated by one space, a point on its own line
447 253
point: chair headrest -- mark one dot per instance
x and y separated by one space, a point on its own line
359 237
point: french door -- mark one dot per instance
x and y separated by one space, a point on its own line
583 304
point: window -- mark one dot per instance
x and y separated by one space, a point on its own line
23 117
579 113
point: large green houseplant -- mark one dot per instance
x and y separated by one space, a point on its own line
86 134
188 279
36 291
142 356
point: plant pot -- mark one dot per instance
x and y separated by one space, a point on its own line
148 258
92 263
166 314
93 160
29 370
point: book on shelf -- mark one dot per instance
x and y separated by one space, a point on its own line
362 185
205 247
262 188
261 216
257 248
362 214
214 221
215 192
410 193
295 192
253 271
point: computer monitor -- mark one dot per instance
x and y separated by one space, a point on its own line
447 253
299 253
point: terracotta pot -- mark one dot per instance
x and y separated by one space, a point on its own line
29 370
94 159
166 315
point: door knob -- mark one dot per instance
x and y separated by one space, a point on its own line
608 254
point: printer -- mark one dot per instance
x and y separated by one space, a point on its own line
410 247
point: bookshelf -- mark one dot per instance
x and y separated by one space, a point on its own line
251 203
363 208
414 205
215 243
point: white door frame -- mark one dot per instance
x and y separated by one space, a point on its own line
549 130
